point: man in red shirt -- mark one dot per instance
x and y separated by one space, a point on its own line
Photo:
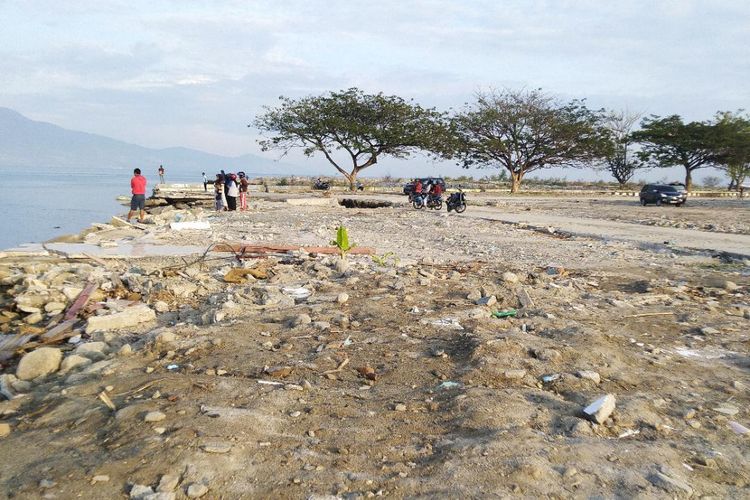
138 201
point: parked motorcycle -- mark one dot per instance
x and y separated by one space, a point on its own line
456 201
421 201
322 185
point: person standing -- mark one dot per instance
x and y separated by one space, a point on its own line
205 182
232 193
219 193
138 201
243 190
161 174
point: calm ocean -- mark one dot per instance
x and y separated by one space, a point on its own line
39 204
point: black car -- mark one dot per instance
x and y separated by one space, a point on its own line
674 194
409 186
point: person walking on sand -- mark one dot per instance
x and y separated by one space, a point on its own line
243 190
138 201
205 182
161 174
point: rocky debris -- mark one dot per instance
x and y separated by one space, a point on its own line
161 307
38 363
197 490
216 447
670 483
92 350
301 320
342 298
73 361
154 416
601 409
140 491
101 478
709 330
514 374
4 429
130 316
589 375
510 278
487 301
168 482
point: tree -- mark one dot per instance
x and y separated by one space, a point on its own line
617 158
669 142
733 146
364 126
523 131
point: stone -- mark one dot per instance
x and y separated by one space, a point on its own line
707 330
6 385
33 318
400 407
670 484
161 307
487 301
72 361
154 416
474 295
165 337
197 490
54 307
93 350
589 375
131 316
22 386
341 266
216 447
139 491
168 482
47 484
547 354
510 278
514 374
101 478
730 286
601 409
125 350
71 292
4 430
342 298
39 362
160 495
301 320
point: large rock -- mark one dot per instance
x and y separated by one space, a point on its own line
74 361
131 316
40 362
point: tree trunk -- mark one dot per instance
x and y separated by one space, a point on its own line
688 180
515 183
352 178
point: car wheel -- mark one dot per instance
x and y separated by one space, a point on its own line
658 203
643 202
678 204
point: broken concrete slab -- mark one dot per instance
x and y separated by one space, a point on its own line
601 409
131 316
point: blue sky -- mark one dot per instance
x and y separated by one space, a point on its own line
194 74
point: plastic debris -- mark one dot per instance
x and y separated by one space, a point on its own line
508 313
550 378
296 293
172 367
451 323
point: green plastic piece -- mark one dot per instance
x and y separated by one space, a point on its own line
505 314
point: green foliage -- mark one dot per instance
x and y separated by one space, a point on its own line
669 142
283 181
385 259
733 145
617 156
524 131
356 126
342 241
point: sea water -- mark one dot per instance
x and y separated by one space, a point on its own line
39 204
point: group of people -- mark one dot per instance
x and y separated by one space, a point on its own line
227 188
428 190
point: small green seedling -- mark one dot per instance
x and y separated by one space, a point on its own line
383 260
342 242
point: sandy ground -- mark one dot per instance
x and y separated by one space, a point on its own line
392 378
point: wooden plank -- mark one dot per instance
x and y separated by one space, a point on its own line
80 301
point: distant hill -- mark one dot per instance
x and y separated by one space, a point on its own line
29 143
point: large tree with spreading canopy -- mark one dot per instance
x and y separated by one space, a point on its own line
350 124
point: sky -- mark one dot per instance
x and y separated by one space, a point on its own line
183 73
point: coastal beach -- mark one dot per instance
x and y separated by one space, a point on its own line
241 370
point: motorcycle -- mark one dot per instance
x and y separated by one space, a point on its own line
421 201
322 185
456 201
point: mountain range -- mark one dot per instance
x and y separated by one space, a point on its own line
34 144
